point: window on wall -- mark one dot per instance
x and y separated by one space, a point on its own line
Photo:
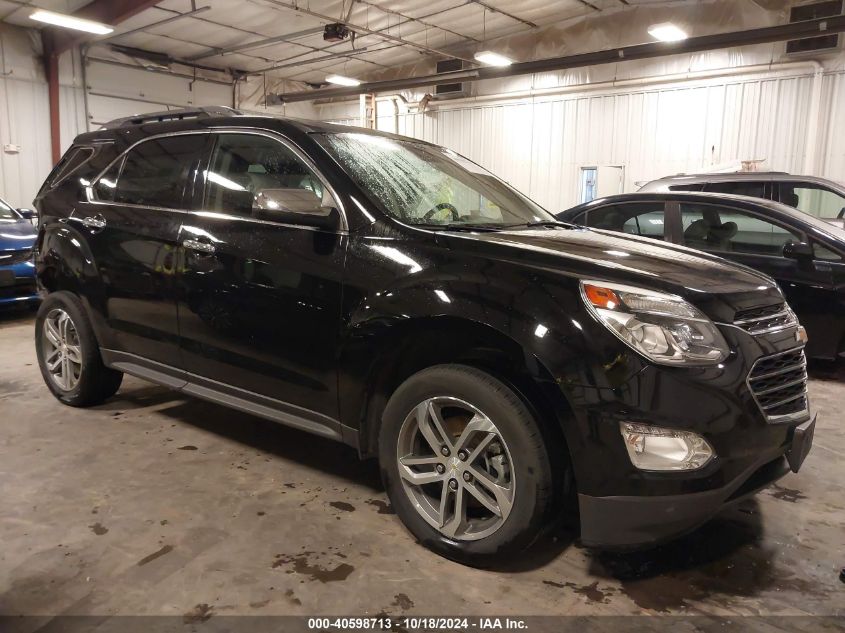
723 229
589 184
254 175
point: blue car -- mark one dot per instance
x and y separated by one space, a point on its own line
17 271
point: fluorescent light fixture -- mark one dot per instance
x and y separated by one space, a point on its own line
493 59
340 80
667 32
70 22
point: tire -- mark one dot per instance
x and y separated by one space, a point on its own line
516 457
91 381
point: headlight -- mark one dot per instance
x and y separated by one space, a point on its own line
656 448
662 327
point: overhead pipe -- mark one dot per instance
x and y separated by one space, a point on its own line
763 35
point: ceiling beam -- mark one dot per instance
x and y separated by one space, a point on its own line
763 35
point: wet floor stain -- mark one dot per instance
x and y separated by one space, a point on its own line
591 591
260 604
291 486
292 597
187 447
200 613
383 506
786 494
342 505
157 554
98 529
402 601
300 564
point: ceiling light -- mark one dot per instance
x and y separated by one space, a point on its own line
667 32
340 80
493 59
70 22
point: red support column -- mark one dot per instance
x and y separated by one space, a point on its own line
51 69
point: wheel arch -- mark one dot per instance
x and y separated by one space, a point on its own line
415 344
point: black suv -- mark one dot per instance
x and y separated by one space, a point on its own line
390 294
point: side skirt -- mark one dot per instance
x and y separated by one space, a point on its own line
232 397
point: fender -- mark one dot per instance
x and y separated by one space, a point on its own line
529 325
64 261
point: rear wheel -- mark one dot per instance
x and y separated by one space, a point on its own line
465 464
68 353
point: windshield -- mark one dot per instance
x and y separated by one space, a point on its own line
425 185
6 211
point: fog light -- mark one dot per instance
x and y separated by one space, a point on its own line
656 448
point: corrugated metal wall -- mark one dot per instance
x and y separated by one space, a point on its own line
539 145
832 145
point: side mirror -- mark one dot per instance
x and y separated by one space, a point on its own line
27 214
296 206
798 250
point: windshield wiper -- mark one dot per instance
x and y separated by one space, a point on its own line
463 226
541 223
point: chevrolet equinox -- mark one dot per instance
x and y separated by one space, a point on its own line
505 369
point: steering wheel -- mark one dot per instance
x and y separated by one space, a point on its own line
443 205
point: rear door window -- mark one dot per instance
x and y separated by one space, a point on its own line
723 229
637 218
155 173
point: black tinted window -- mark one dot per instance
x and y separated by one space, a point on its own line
255 176
106 185
722 229
70 162
157 172
739 188
641 218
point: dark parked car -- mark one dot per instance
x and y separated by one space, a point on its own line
819 197
17 270
806 256
392 295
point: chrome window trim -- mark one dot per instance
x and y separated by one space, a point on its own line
293 147
63 174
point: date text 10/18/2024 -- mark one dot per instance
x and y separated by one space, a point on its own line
417 623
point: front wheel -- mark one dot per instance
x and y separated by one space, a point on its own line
465 464
68 353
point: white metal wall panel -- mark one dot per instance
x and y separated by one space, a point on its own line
540 145
25 123
832 147
119 91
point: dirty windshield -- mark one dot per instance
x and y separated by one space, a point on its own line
425 185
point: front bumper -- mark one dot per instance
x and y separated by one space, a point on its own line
639 521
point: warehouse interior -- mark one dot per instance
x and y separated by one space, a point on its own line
156 503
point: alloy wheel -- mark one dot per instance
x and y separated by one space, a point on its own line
456 468
62 350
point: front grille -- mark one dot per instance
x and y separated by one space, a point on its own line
779 385
766 319
9 258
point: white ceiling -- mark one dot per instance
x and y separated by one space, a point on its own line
391 32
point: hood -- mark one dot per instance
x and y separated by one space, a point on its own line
606 256
16 235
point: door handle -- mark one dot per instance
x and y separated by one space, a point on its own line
196 245
94 222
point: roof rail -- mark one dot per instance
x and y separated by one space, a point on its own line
171 115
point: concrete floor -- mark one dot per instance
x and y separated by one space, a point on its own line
155 503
